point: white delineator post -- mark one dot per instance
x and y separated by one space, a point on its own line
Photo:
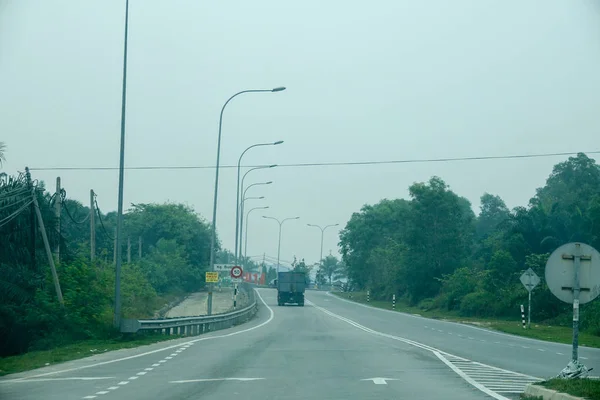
368 296
523 315
234 296
393 302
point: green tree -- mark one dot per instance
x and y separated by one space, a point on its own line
331 268
439 239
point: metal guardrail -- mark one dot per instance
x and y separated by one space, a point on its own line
191 326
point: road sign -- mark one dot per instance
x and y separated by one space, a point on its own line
573 275
236 271
223 267
560 272
529 279
212 277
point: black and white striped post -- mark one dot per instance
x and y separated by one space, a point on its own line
393 302
368 296
523 316
235 296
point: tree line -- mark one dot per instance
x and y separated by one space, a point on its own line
433 251
170 246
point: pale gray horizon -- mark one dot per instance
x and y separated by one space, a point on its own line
382 80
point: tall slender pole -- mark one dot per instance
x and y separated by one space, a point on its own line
128 249
243 202
92 227
246 234
213 235
241 214
322 229
47 248
529 312
57 210
279 249
117 315
237 194
279 241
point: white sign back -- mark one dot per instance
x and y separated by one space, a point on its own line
560 272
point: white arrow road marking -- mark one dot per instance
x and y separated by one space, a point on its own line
218 379
75 378
379 381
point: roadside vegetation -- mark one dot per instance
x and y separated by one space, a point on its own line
587 388
34 328
440 259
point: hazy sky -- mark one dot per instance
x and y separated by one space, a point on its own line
377 80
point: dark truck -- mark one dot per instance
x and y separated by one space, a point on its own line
290 288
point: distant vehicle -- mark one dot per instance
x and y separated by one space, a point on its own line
291 287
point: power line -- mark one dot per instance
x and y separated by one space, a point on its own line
15 214
323 164
101 222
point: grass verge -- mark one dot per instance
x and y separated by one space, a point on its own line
37 359
588 388
558 334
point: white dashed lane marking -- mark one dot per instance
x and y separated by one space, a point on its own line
102 392
113 388
123 382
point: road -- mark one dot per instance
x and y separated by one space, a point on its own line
329 349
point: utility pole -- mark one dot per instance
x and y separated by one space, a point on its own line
47 248
31 220
57 210
115 248
128 249
140 247
92 227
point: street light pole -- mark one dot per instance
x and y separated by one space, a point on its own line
213 234
237 194
238 217
279 241
246 234
117 310
322 235
242 211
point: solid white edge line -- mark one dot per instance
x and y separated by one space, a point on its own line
469 380
435 351
507 335
191 342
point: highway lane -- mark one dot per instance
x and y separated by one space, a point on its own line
528 356
285 353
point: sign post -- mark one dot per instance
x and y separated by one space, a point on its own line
530 280
573 276
236 272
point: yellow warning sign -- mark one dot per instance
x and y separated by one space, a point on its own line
212 277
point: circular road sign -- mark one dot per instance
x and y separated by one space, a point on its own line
560 272
236 272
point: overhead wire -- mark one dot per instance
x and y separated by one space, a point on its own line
12 216
100 219
64 205
324 164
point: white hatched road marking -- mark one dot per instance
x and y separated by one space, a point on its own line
113 388
89 397
102 392
484 376
496 378
123 382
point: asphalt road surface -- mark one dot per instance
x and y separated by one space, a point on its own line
329 349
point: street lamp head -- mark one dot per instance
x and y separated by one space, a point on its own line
268 183
278 142
278 89
261 197
272 166
296 217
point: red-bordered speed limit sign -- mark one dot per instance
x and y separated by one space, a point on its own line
236 272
